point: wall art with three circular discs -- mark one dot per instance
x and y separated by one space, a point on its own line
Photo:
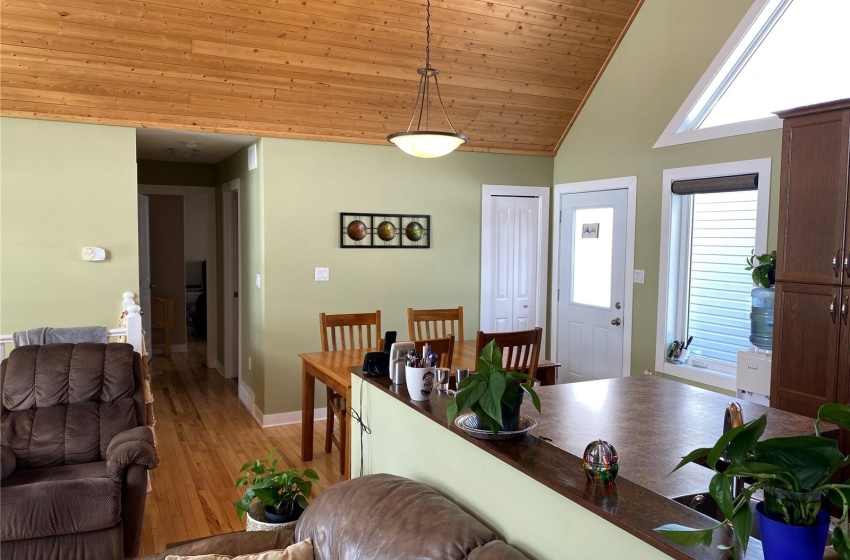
361 230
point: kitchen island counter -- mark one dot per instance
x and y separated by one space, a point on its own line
651 421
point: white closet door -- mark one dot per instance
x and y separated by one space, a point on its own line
514 262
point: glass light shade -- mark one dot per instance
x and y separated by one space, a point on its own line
427 144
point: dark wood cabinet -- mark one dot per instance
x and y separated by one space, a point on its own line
806 333
811 336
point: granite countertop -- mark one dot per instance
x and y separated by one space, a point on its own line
651 421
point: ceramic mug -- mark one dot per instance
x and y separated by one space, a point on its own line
420 382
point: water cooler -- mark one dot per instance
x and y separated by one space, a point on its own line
754 375
754 364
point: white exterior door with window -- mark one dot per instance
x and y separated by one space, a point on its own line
591 285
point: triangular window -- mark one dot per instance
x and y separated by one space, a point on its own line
784 54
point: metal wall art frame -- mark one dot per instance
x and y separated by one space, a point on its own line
361 230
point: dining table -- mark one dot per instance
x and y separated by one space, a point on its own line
332 368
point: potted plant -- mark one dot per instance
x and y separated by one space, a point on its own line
283 492
794 472
763 267
493 394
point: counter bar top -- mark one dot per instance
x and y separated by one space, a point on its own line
651 421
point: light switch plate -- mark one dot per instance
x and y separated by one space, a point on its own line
639 276
259 281
322 274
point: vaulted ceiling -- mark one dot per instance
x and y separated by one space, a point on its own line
513 73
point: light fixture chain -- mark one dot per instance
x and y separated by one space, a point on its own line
428 34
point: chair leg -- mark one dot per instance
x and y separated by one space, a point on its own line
329 432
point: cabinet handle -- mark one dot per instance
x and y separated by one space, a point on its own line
835 263
844 308
847 264
832 309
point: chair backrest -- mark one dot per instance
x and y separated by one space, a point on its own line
435 323
442 347
63 403
520 349
350 331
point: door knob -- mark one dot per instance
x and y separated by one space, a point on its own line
617 305
616 322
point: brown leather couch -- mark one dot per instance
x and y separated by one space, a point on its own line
75 452
375 517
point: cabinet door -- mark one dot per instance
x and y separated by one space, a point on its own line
805 339
813 198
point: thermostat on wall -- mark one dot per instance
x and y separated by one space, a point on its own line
93 254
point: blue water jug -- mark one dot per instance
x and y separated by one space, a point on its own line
761 318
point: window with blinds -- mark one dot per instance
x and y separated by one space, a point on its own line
718 233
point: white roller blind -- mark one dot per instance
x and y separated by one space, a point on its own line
722 236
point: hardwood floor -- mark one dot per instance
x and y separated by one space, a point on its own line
204 435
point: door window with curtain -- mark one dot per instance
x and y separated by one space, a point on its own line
714 223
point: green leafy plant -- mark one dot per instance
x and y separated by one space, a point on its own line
797 464
492 387
285 491
763 267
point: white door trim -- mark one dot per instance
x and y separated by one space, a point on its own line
212 257
630 184
542 194
230 344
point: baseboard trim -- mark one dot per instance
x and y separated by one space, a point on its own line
288 418
179 347
246 395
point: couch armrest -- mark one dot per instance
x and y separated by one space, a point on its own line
130 447
8 462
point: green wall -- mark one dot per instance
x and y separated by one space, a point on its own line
64 186
307 184
662 57
251 298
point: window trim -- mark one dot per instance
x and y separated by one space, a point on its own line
713 83
670 222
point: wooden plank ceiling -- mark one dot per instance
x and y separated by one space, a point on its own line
513 73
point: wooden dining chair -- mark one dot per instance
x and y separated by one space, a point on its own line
442 347
348 331
435 323
520 349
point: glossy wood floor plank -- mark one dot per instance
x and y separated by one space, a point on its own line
204 435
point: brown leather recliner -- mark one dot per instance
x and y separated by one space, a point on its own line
375 517
75 452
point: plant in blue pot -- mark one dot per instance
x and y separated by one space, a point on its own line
796 474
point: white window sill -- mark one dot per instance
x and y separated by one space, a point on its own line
700 375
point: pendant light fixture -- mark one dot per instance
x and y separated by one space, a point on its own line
427 143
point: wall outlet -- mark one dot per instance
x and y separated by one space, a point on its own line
323 274
639 276
259 281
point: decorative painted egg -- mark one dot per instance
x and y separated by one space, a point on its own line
414 231
356 230
386 230
601 462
